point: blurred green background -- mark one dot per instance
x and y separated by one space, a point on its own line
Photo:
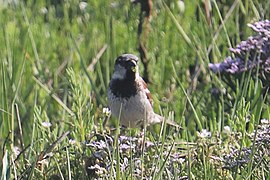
56 58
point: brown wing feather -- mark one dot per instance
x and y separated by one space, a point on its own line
147 92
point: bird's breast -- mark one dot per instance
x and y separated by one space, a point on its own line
131 111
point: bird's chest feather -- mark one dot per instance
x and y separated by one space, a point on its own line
130 110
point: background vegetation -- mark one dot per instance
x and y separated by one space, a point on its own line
56 61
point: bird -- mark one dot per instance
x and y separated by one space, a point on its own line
129 98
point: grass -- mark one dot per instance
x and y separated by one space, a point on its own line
51 108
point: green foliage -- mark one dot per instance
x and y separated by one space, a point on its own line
52 102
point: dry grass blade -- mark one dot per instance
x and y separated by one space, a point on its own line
98 56
52 146
54 96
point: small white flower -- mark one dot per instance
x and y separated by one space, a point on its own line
83 5
44 162
96 166
264 121
247 119
106 111
46 124
125 164
72 141
16 150
102 144
98 169
227 129
50 154
44 10
204 133
181 160
181 6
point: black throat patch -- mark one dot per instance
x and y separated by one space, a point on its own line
127 86
124 88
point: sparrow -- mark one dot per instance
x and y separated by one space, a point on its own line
129 99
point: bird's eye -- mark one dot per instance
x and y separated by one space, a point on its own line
120 62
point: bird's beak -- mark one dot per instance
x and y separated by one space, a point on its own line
133 69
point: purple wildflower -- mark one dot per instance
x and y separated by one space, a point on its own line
248 54
232 66
260 139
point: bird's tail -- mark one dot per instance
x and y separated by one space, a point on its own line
168 121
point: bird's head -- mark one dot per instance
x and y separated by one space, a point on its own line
126 67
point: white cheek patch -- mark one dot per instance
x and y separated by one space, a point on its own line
119 72
137 72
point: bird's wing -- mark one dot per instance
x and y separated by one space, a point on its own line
147 91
